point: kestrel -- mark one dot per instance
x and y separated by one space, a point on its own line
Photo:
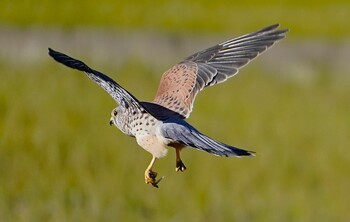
161 123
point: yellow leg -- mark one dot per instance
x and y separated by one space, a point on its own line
150 176
180 166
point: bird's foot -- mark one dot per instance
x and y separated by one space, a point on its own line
150 177
180 166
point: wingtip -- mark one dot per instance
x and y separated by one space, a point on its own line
252 153
49 49
270 27
248 153
68 61
242 153
274 27
52 52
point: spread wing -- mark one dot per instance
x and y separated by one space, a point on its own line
180 84
118 93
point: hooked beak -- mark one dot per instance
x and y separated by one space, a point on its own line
111 122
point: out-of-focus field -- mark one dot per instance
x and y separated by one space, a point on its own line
61 161
308 18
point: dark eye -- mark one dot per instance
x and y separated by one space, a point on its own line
115 112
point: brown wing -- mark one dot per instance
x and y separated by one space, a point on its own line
180 84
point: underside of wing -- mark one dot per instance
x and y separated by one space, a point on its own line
180 84
118 93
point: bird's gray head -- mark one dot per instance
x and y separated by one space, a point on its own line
114 116
120 119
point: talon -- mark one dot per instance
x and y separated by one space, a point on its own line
150 177
180 166
155 184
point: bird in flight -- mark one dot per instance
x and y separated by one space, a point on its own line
161 123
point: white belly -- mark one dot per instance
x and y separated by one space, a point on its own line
149 138
152 144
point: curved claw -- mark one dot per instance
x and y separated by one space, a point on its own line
180 166
155 184
150 177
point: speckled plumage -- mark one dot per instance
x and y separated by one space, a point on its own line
161 123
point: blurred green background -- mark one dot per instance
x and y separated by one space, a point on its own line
60 160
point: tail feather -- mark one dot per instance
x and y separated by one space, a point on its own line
184 133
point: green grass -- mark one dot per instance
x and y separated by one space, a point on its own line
61 161
321 19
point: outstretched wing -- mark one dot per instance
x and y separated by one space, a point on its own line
180 84
118 93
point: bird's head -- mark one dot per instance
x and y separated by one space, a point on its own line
114 116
